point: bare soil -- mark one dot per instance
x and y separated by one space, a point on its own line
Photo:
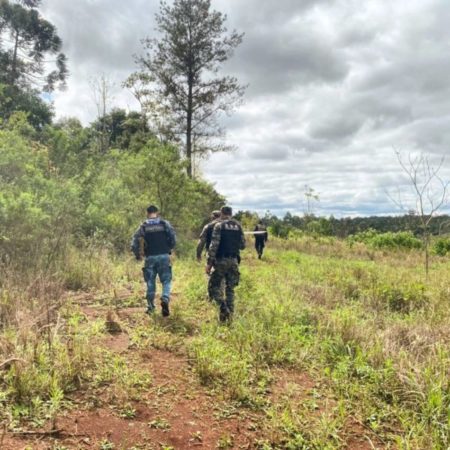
175 412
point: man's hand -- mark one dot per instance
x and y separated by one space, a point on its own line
208 269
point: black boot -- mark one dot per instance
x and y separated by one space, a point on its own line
225 313
165 307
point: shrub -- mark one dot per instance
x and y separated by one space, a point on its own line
441 246
389 240
280 230
404 299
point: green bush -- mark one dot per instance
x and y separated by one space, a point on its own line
441 246
280 230
403 299
37 206
389 240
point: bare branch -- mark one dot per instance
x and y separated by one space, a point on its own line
430 191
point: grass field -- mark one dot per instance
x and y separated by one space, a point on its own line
331 347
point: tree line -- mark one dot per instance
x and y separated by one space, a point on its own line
347 226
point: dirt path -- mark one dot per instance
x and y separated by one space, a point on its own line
175 411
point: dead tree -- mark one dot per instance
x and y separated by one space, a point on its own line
428 194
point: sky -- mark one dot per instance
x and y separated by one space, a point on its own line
335 89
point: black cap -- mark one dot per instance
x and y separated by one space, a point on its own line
152 209
226 211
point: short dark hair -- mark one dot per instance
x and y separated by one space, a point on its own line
152 209
226 211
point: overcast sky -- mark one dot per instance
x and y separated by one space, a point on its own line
334 88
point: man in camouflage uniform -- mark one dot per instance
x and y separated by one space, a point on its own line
223 256
204 240
155 239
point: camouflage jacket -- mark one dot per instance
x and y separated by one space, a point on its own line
205 237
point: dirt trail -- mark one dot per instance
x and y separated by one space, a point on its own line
175 412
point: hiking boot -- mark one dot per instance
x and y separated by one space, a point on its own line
224 317
165 308
150 307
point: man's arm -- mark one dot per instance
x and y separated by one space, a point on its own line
202 242
171 235
242 246
136 243
215 242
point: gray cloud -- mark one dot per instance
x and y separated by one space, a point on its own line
275 63
334 87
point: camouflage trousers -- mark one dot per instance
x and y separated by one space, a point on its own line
224 269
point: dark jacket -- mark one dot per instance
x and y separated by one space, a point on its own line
153 237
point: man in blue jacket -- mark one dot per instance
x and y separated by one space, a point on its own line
155 240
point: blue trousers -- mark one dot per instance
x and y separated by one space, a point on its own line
157 265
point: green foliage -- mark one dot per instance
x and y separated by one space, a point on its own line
35 203
247 219
400 240
14 99
59 193
70 147
48 367
403 299
348 226
127 182
441 246
34 39
321 227
125 131
24 67
280 230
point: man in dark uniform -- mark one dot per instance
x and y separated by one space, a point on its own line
204 240
261 237
223 255
155 239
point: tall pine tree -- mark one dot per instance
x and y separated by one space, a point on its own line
27 42
179 85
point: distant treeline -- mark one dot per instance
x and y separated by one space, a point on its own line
347 226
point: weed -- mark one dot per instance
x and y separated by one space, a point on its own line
106 445
225 442
160 424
